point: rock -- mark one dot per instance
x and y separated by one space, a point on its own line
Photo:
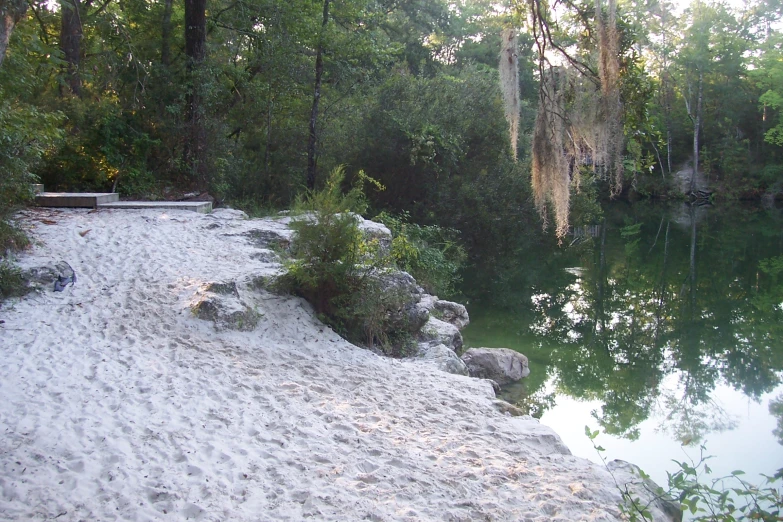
447 311
499 364
538 437
440 332
629 476
402 294
268 239
495 385
507 407
266 256
221 304
442 358
453 313
40 277
229 288
373 231
199 196
227 214
427 302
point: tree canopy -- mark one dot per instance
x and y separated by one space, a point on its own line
469 112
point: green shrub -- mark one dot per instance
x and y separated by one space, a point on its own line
431 254
27 135
332 265
708 499
12 284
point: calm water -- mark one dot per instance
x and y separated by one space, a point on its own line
662 328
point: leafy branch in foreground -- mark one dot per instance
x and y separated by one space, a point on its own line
723 499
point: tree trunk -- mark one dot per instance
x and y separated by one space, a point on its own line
319 70
165 44
71 34
10 13
195 149
268 147
696 126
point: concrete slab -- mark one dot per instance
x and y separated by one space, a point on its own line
75 199
197 206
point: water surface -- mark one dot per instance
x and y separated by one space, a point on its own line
662 327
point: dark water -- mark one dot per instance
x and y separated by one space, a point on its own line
662 327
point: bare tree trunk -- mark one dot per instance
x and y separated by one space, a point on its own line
71 34
195 149
319 70
165 43
696 126
267 149
11 11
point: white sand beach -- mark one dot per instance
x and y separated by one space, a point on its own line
117 403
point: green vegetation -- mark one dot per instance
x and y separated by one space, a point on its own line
255 100
345 274
431 254
706 498
12 284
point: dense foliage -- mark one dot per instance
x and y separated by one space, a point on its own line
127 96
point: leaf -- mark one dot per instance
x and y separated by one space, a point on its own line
737 472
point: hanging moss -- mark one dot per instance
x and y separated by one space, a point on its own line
550 168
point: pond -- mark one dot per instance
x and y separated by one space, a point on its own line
661 326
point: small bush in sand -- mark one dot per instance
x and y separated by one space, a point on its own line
332 263
12 284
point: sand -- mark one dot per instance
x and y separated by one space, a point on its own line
117 403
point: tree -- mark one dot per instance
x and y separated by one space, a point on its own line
195 149
769 76
319 71
11 11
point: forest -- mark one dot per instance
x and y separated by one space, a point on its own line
497 120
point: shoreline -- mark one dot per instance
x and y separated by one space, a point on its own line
118 403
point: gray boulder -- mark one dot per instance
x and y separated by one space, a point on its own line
373 231
441 357
269 239
401 294
436 331
221 304
629 476
499 364
40 277
453 313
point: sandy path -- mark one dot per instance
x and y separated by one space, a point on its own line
117 404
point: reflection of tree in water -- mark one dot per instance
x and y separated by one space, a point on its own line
690 413
692 296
